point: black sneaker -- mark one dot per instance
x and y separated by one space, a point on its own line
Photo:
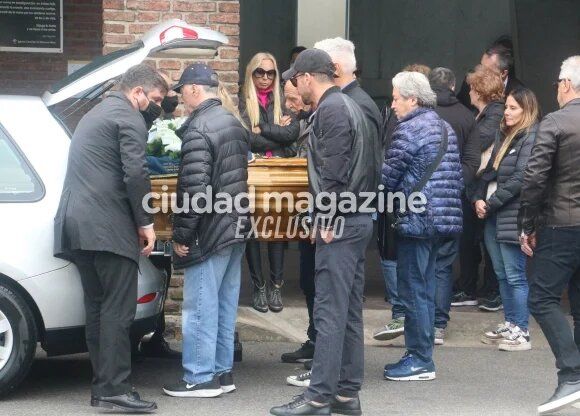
566 394
350 407
462 299
227 382
301 406
308 365
275 298
259 299
491 305
305 352
183 389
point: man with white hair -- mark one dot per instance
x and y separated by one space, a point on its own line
549 221
423 158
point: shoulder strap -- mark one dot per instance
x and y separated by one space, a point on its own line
433 166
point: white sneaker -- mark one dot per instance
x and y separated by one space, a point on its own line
517 340
301 380
496 336
439 336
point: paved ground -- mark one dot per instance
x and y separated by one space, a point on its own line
471 381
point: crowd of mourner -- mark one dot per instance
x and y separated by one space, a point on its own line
501 186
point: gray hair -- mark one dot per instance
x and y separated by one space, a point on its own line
571 70
209 89
442 78
415 85
341 51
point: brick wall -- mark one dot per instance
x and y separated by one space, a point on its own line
32 73
126 20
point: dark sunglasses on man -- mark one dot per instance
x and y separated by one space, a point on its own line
294 80
261 72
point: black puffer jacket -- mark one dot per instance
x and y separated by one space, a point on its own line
488 123
463 122
505 202
280 140
214 153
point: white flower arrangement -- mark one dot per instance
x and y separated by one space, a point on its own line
162 139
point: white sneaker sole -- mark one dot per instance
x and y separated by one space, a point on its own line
201 394
465 303
491 341
509 347
418 377
388 335
559 404
294 382
488 309
229 389
439 341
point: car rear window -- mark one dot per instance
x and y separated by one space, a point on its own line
18 181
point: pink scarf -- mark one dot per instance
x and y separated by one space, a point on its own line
263 96
263 99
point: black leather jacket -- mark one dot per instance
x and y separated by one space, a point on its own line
342 147
214 153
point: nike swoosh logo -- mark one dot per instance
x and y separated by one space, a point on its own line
189 386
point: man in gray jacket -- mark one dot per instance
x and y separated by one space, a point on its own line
102 227
550 232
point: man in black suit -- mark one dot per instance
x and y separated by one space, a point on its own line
499 57
102 227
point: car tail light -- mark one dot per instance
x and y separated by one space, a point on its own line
150 297
177 32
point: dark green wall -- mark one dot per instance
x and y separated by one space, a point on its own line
267 26
390 34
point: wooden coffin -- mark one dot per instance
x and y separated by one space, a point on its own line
275 175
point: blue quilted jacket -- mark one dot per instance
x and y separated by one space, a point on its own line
415 145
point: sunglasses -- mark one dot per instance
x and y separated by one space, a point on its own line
260 72
294 80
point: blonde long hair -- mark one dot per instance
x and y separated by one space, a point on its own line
228 103
529 103
249 93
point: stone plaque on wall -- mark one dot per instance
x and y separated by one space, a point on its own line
31 26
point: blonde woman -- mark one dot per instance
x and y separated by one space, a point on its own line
272 134
497 199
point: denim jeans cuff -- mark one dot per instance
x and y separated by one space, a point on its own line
313 397
191 381
347 393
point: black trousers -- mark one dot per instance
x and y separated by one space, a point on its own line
110 287
275 257
470 256
554 267
307 272
338 365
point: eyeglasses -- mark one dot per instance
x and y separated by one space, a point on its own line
260 72
294 80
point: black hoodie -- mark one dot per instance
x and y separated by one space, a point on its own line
463 122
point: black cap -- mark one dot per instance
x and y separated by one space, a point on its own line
198 74
313 61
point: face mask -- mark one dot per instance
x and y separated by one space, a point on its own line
151 114
169 104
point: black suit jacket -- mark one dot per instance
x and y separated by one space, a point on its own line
106 181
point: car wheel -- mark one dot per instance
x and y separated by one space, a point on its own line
17 339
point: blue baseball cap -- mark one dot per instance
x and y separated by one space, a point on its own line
198 74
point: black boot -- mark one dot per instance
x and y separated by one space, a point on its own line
259 299
305 352
275 297
159 348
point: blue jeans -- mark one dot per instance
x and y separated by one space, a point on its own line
444 275
509 264
416 284
211 291
390 275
